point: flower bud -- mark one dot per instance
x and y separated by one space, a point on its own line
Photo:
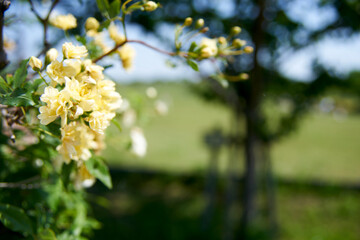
92 24
248 49
238 43
243 76
235 30
222 40
64 22
204 30
199 23
150 6
188 21
35 63
51 55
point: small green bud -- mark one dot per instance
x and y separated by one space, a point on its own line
222 40
248 49
188 21
150 6
235 30
204 30
199 23
243 76
238 43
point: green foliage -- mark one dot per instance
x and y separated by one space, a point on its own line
193 65
20 74
114 8
16 91
103 6
47 234
98 168
109 10
15 218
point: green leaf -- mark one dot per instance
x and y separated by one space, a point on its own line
104 24
223 82
66 170
192 46
9 78
117 124
20 74
19 98
35 84
193 65
4 87
15 219
103 6
81 39
98 169
114 8
47 234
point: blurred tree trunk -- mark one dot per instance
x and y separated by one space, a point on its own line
232 176
252 139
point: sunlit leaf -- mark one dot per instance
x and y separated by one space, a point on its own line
193 65
98 169
4 87
20 74
114 8
47 234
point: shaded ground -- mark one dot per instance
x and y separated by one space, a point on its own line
160 206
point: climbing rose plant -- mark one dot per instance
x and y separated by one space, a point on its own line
55 116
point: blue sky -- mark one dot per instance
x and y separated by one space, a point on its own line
339 54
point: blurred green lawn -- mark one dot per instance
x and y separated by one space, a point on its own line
322 148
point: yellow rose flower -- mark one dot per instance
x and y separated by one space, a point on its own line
71 51
64 22
208 48
100 120
138 142
35 63
92 24
57 71
76 141
150 6
83 178
52 54
127 55
115 35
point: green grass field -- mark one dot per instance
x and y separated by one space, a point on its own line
158 207
322 148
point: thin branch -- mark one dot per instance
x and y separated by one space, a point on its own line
4 5
44 22
34 11
109 52
51 9
157 49
25 184
142 43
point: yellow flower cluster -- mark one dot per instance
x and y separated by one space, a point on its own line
84 101
125 52
208 48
